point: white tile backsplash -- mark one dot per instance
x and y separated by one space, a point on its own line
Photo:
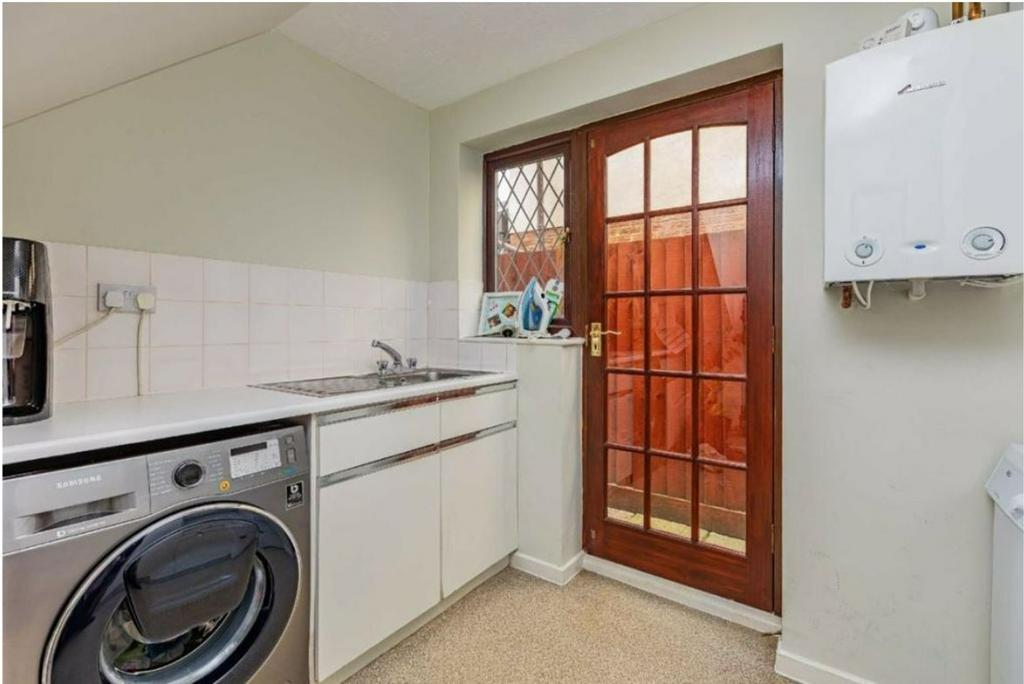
68 273
494 357
305 361
225 281
119 330
268 284
443 353
173 324
177 278
305 288
268 362
306 324
443 324
69 314
116 266
416 324
225 323
225 365
175 369
338 324
392 293
469 355
268 323
367 324
69 374
444 294
111 373
417 295
392 324
222 323
364 292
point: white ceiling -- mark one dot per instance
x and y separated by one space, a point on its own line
433 54
56 53
428 53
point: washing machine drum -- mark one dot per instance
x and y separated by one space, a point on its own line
200 596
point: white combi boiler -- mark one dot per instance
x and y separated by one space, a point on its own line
923 163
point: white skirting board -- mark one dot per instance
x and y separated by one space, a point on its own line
758 620
808 671
556 574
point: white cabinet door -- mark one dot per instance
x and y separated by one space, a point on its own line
379 558
478 507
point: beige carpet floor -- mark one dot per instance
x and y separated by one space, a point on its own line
516 628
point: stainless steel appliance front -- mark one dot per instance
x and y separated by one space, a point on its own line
187 564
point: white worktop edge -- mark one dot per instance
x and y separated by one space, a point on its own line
84 426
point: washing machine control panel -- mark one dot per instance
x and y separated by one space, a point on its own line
220 469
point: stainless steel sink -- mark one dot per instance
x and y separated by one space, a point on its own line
347 384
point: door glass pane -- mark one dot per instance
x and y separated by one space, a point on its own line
625 174
723 333
723 163
625 490
624 256
627 409
671 488
671 258
671 170
723 246
529 223
671 332
723 420
626 315
672 414
723 507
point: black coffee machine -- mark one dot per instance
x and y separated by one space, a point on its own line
28 333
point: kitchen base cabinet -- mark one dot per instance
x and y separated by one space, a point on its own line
478 506
379 557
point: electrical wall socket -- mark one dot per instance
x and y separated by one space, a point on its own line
130 294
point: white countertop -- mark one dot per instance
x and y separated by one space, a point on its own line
87 425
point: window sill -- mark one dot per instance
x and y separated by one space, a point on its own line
543 341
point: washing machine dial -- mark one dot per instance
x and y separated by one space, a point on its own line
983 242
188 474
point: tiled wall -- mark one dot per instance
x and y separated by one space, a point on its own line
454 310
225 323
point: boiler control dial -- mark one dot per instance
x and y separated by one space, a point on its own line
864 251
983 242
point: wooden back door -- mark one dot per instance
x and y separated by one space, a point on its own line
679 442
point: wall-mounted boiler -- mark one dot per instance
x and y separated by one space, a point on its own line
923 163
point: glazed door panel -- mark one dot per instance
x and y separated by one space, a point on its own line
679 436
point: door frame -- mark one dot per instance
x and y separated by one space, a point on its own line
589 297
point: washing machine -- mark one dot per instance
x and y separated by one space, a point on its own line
179 561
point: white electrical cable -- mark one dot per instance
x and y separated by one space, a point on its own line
991 284
85 328
138 354
865 302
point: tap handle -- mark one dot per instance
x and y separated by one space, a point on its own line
411 362
382 365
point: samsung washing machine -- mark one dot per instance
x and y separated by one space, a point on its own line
173 562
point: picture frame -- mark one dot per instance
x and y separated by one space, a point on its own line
499 314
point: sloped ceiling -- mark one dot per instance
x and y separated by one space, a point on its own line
433 54
55 52
428 53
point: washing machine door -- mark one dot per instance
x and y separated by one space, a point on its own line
202 595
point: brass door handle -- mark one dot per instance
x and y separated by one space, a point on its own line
596 333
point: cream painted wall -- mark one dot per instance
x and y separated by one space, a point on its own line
892 417
261 152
